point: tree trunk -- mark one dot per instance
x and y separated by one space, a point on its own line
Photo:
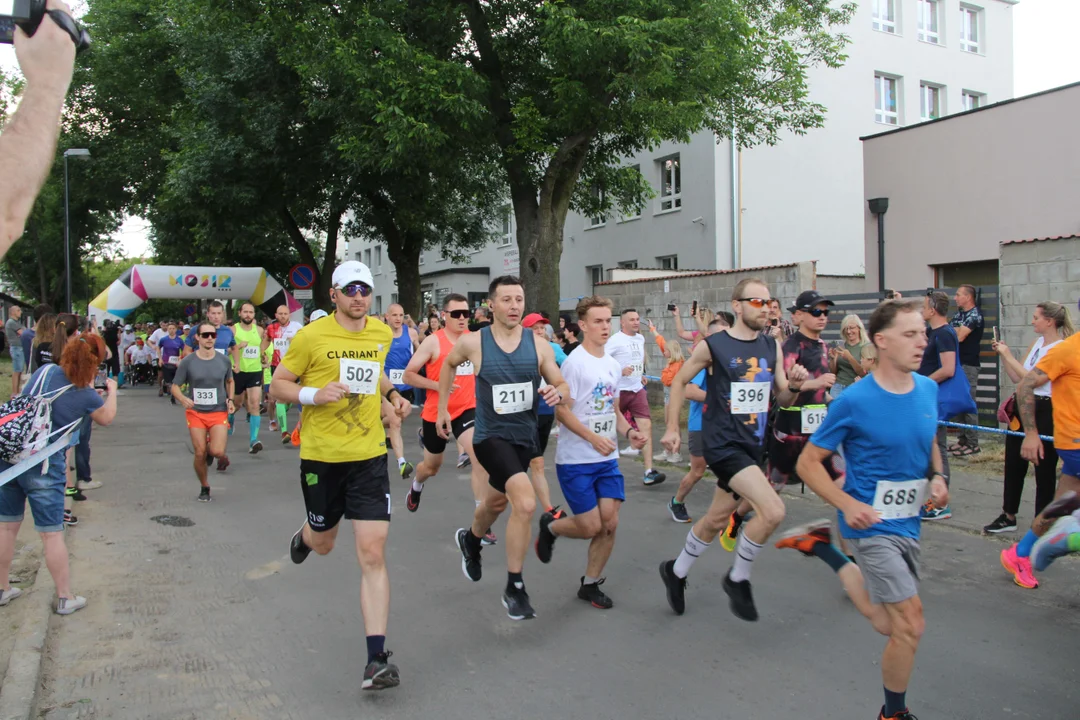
325 275
406 258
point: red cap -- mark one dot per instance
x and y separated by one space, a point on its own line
533 318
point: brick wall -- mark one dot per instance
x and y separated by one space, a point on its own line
712 290
1029 273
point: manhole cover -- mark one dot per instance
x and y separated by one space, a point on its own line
173 520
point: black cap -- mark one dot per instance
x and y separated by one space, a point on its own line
808 299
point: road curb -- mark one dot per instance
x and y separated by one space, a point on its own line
23 677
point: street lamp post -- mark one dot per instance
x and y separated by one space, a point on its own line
75 153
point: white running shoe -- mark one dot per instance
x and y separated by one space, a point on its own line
64 606
629 451
7 596
89 484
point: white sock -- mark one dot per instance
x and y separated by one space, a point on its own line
477 503
589 580
745 552
417 486
690 552
400 461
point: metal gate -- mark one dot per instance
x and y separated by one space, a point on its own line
987 392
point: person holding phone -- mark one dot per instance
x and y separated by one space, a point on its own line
849 359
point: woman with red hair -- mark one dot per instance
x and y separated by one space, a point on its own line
70 384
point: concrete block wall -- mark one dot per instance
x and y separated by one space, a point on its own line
1030 273
712 290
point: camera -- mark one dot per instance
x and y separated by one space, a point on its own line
28 14
101 379
671 307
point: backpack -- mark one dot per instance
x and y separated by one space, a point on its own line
26 420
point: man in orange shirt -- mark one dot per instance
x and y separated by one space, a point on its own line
1061 368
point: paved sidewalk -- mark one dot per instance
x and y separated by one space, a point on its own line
213 621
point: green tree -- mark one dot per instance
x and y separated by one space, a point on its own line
568 89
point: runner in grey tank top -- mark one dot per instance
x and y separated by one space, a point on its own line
508 367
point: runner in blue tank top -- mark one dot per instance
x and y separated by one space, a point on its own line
508 366
402 347
747 367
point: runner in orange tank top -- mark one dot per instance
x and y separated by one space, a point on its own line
462 403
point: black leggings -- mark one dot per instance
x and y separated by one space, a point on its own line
1016 467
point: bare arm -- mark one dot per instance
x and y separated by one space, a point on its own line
1025 398
962 332
550 371
465 348
1013 367
693 392
811 468
420 358
700 358
105 414
679 331
947 369
784 394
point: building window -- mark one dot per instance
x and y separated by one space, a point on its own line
668 262
378 259
972 100
378 304
969 29
670 185
595 274
443 254
599 220
367 257
885 15
507 237
628 264
929 101
928 21
420 261
394 298
635 212
886 109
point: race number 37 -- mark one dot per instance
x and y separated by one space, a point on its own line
749 397
362 376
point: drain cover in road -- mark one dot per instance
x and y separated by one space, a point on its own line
173 520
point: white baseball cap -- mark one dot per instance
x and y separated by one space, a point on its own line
352 271
318 314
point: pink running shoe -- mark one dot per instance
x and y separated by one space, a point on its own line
1019 567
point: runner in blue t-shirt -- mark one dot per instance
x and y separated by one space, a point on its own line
215 314
170 351
886 485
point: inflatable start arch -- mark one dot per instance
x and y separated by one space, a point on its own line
140 283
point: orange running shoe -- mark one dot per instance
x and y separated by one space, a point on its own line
804 537
296 437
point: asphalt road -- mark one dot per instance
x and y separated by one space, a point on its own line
213 621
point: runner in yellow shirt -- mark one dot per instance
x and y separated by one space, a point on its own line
343 471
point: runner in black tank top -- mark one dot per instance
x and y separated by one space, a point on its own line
508 366
745 374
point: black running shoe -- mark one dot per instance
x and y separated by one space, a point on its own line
69 519
676 587
412 500
742 600
470 563
380 673
209 459
545 539
204 494
1002 524
594 594
516 602
255 448
654 477
298 550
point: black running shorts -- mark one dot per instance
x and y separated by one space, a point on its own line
502 460
784 451
729 460
357 490
435 444
246 380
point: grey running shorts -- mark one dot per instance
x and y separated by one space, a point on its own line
890 566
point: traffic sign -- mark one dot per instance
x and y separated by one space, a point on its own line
303 294
190 310
302 276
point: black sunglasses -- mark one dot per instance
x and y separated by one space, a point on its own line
818 312
459 314
206 335
352 289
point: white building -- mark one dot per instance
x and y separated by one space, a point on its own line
908 61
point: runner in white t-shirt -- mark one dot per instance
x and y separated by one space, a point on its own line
152 342
628 348
587 457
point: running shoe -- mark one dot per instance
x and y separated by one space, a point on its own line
804 537
556 512
463 460
412 500
74 493
295 437
70 519
223 463
1067 504
406 469
209 460
730 536
629 451
420 436
545 539
516 602
678 511
273 425
298 549
654 477
8 595
1019 567
255 448
661 456
66 606
204 494
89 484
674 458
1062 538
380 673
902 715
932 513
285 437
470 564
1002 524
489 539
593 594
676 587
742 600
